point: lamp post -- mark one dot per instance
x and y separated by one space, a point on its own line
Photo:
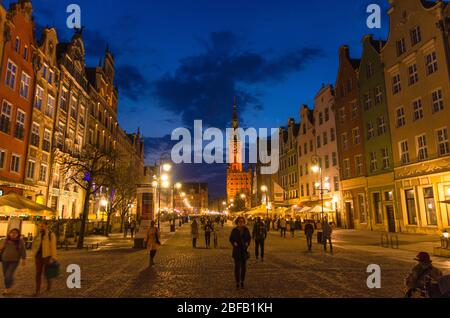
321 186
161 182
264 190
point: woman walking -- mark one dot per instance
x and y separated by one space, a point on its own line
153 242
194 233
240 238
12 251
44 252
208 230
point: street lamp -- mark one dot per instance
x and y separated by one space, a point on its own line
264 190
317 169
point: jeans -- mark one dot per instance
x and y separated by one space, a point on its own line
9 269
240 267
325 239
41 268
208 239
283 232
309 242
259 245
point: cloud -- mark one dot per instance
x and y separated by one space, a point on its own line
203 86
131 82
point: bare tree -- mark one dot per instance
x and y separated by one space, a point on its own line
91 169
124 185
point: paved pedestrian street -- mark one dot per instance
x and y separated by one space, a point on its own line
116 270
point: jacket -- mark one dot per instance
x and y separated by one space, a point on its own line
243 240
48 244
418 275
327 230
11 253
194 230
153 239
259 231
309 229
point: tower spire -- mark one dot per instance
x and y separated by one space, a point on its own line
235 121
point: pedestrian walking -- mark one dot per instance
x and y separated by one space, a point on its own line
292 228
240 239
216 236
132 228
194 233
309 231
126 227
283 225
327 231
153 242
44 253
209 228
259 234
12 250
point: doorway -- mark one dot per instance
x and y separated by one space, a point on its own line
350 218
391 218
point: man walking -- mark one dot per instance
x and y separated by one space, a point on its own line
259 235
327 231
283 225
309 231
132 228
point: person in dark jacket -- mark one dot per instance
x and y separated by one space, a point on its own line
309 231
240 239
327 231
13 250
259 235
208 230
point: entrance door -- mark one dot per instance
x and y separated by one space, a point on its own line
391 218
349 212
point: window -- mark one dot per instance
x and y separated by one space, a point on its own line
81 115
430 206
362 208
318 142
334 159
15 163
411 207
401 47
342 115
63 99
378 95
51 75
44 71
61 135
43 173
311 146
385 158
346 163
47 140
404 152
417 109
381 125
401 121
378 211
25 53
17 45
344 141
356 136
30 169
332 134
373 161
437 101
306 169
73 107
413 74
325 138
358 165
367 101
369 70
35 135
442 142
422 150
416 35
336 183
25 85
5 119
39 97
307 190
431 63
396 84
327 161
320 118
327 114
354 110
11 73
2 158
50 110
20 125
389 196
370 131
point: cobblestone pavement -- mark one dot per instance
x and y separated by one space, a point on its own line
116 270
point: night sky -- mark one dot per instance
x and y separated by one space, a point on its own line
177 61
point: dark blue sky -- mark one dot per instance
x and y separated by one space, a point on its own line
183 60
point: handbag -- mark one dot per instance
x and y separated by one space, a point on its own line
52 270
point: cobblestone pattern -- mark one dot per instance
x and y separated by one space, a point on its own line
116 270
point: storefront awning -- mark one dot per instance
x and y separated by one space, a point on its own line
16 205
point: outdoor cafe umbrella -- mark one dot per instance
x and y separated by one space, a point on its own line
305 209
318 209
14 204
